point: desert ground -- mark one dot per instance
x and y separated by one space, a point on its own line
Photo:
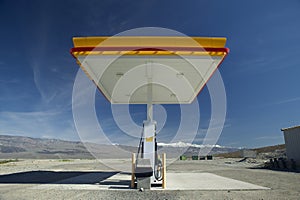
85 179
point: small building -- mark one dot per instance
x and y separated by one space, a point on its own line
248 153
292 143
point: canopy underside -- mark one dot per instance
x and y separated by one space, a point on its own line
176 73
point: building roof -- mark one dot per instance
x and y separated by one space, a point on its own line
290 128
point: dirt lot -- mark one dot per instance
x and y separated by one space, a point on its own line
22 180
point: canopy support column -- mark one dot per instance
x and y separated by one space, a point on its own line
149 91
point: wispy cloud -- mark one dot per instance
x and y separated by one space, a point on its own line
276 103
38 124
277 137
51 85
267 62
286 101
5 81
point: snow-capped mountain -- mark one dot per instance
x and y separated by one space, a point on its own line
184 144
183 148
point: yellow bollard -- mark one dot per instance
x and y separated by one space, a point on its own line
132 169
164 173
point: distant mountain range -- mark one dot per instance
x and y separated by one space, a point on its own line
184 144
37 148
188 149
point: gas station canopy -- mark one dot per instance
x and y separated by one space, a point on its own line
125 67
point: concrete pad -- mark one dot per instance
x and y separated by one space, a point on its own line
206 181
175 181
67 187
117 181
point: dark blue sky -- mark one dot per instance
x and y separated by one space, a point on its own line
261 73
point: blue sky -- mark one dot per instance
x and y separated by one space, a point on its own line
261 73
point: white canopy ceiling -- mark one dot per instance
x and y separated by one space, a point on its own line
125 78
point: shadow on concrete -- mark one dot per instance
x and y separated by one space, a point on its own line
62 177
119 182
275 169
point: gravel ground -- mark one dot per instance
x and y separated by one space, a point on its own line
284 185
